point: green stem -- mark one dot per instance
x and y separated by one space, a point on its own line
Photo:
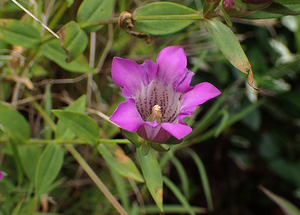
169 17
58 15
143 18
96 180
43 113
29 142
230 122
83 163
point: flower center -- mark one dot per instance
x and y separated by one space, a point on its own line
156 114
158 101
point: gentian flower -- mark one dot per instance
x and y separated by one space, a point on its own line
158 95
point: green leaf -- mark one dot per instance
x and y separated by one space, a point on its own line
179 195
14 124
82 125
262 15
173 209
29 155
31 206
19 33
153 176
209 7
47 134
133 137
223 122
94 10
121 187
55 52
48 168
277 9
162 27
230 47
62 132
284 9
204 178
287 207
18 207
119 161
73 39
70 2
225 15
182 175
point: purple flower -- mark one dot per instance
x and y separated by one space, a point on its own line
158 95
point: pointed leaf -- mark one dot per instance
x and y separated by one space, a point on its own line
62 132
287 207
31 206
30 155
162 27
230 47
48 168
153 176
18 207
55 52
14 124
222 124
73 39
94 10
119 161
179 195
204 178
82 125
19 33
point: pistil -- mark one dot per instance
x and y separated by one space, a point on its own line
156 114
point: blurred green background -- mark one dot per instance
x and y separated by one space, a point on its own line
260 145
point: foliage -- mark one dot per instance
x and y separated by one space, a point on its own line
60 153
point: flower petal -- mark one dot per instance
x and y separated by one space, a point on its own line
197 96
177 130
184 84
128 74
1 175
126 116
172 65
153 131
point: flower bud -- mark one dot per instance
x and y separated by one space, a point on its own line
240 8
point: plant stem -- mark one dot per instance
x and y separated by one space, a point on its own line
58 15
96 180
29 142
169 17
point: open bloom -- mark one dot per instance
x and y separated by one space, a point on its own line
158 95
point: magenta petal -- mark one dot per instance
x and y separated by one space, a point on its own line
184 84
172 57
152 132
1 175
172 65
198 95
126 116
177 130
128 74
